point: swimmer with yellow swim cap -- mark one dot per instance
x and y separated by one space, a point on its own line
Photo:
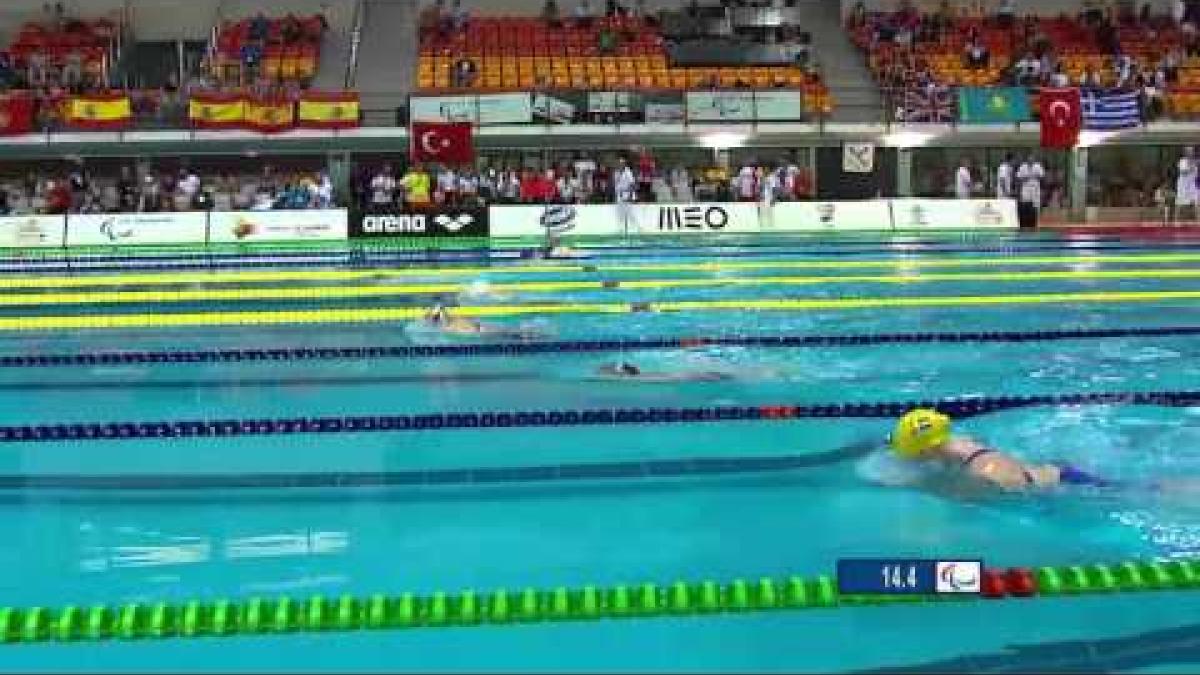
927 435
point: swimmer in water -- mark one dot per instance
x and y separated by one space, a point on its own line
441 318
927 435
627 371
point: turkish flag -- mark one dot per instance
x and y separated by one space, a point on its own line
441 142
1062 117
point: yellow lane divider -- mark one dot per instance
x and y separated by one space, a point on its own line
270 276
315 316
345 292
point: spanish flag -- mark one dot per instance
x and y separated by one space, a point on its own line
217 111
270 115
99 111
328 110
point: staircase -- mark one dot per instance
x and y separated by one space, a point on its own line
855 94
387 55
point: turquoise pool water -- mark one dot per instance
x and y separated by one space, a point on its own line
82 547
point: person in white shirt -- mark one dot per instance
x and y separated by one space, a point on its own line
468 189
1030 175
1004 178
447 186
383 188
1029 69
189 185
567 187
323 191
681 185
768 192
962 180
745 184
625 187
1187 191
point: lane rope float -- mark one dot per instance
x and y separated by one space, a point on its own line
576 346
385 273
372 314
351 292
285 615
961 408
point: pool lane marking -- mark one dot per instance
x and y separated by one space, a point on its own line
959 408
576 346
347 292
369 314
269 276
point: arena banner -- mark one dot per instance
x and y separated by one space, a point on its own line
484 109
226 227
720 106
872 214
954 214
32 231
135 229
441 223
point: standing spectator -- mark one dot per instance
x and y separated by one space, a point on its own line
58 197
323 191
625 185
189 184
36 69
681 185
550 14
1030 175
149 200
447 187
1059 77
126 191
510 187
223 193
1005 174
203 201
468 189
977 55
645 174
962 180
417 185
252 53
383 189
72 72
1006 13
768 193
568 187
583 14
744 184
259 28
1187 187
79 185
487 187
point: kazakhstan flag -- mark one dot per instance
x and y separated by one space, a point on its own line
993 105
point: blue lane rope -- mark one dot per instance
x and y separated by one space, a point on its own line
628 470
364 258
575 346
960 408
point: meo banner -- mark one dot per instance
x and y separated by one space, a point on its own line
259 226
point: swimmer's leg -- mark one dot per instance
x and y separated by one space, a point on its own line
1070 475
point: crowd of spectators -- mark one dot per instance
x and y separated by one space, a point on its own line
1037 52
140 190
583 181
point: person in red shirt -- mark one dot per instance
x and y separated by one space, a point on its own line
645 175
58 197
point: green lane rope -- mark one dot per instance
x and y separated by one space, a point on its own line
285 615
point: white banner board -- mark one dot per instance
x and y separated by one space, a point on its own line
618 220
31 231
134 229
954 214
485 109
873 214
259 226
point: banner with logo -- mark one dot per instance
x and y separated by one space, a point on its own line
606 102
135 229
664 113
780 105
552 109
485 109
623 219
231 227
415 224
954 214
32 231
720 106
825 216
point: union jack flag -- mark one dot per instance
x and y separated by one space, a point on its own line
929 106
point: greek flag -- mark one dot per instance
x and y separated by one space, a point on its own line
1105 111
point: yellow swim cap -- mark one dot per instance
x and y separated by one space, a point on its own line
920 431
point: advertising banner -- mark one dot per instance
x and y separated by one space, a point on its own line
623 219
664 113
428 223
135 229
828 216
485 109
552 109
954 214
778 105
720 106
259 226
32 231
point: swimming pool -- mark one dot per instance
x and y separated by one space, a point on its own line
799 322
